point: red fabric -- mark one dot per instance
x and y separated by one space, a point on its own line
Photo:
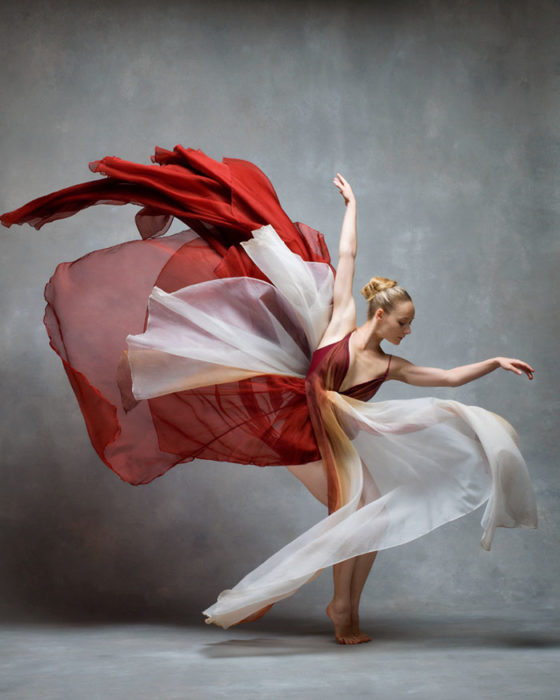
262 421
327 371
363 391
93 303
96 301
222 202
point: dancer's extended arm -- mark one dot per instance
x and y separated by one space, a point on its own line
405 371
343 318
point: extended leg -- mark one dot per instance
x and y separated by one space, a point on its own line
312 476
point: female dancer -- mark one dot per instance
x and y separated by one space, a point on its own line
390 315
237 343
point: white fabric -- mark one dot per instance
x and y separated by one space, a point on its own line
430 461
307 286
228 329
417 463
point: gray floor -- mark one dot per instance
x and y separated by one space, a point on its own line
435 657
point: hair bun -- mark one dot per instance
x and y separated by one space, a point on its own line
376 285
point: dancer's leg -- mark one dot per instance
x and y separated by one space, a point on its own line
340 607
364 562
349 579
348 586
312 475
362 567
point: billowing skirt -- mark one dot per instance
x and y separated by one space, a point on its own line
197 344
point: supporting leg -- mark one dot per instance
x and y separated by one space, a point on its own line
349 576
364 562
360 574
340 607
346 629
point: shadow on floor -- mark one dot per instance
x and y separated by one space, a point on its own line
276 635
285 637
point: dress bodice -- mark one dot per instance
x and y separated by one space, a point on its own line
333 361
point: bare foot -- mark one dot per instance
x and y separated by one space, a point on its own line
344 631
363 637
256 615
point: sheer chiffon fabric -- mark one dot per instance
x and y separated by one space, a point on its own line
417 464
95 302
199 344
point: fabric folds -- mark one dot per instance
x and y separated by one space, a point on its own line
96 302
200 344
415 464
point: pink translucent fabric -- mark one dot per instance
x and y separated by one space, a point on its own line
243 290
95 302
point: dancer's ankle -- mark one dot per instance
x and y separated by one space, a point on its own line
341 607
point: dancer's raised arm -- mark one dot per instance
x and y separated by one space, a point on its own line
343 318
405 371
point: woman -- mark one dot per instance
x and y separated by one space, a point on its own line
390 315
238 343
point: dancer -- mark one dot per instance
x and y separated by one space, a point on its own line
390 315
238 343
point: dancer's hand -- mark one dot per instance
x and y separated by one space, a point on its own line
517 366
344 188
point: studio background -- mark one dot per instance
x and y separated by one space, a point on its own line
443 116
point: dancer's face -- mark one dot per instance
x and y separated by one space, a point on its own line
395 325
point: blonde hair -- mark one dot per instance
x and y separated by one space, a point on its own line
383 293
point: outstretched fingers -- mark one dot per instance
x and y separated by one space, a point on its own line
518 366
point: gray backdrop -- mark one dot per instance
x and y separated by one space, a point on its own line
444 118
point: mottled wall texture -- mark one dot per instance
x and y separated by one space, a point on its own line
443 115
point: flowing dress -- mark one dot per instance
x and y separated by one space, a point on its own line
204 344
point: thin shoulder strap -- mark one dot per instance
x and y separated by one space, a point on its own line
388 365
